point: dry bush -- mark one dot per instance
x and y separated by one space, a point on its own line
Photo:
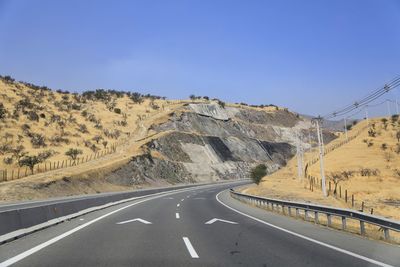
8 160
3 112
5 148
57 140
38 140
369 172
83 128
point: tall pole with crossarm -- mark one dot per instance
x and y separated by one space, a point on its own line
317 122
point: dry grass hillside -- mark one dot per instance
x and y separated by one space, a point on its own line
43 132
368 166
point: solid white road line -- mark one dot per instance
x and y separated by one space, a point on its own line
177 215
35 249
190 248
178 205
306 238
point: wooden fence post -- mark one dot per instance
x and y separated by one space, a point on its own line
345 195
352 200
18 174
12 174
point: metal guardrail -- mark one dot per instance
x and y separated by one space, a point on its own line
344 214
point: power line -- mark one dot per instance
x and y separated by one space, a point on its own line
365 100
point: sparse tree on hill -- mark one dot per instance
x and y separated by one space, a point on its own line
30 162
336 178
73 153
105 144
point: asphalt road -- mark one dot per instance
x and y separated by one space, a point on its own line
182 229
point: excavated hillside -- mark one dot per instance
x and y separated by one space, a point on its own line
127 140
207 142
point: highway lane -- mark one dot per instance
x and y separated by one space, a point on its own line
171 230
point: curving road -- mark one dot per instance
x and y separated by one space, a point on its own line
193 227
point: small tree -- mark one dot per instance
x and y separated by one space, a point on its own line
97 138
221 103
73 153
192 97
385 123
105 144
336 178
398 136
83 128
30 161
258 172
384 146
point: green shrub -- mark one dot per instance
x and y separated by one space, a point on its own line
258 172
73 153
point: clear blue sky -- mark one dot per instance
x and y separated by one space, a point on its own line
310 56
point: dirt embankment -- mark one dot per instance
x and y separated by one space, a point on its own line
368 167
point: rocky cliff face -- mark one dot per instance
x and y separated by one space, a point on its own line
206 142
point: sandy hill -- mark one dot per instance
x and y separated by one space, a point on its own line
368 166
121 141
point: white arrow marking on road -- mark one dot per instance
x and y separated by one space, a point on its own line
135 220
215 219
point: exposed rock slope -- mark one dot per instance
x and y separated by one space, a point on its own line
207 142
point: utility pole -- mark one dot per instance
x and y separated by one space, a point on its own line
397 107
299 156
316 122
366 114
345 128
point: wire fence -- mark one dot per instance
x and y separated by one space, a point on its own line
314 183
18 173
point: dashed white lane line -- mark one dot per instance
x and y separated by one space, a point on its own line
190 248
178 205
177 215
182 199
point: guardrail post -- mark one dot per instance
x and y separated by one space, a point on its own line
343 223
362 228
289 211
297 212
272 206
315 216
329 219
306 214
386 233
